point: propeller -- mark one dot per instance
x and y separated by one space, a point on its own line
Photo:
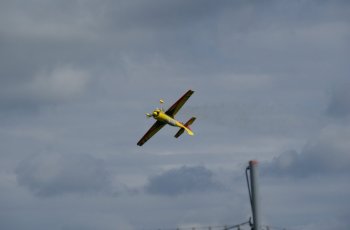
150 114
161 103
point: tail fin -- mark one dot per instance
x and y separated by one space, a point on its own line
187 127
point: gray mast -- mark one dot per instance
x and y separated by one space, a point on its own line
253 165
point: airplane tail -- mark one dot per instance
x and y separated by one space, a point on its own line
186 127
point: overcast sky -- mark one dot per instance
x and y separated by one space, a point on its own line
271 82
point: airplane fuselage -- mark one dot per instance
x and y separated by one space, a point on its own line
159 115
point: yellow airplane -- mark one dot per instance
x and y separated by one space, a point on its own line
168 117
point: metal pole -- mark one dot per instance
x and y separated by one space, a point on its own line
254 189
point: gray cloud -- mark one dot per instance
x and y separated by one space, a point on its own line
78 76
183 180
47 87
327 154
339 106
53 174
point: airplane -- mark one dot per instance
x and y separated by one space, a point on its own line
168 117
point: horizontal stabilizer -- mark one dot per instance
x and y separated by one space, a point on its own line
187 127
181 131
190 121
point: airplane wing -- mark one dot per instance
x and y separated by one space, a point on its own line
153 130
177 106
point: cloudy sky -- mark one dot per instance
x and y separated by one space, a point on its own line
271 82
